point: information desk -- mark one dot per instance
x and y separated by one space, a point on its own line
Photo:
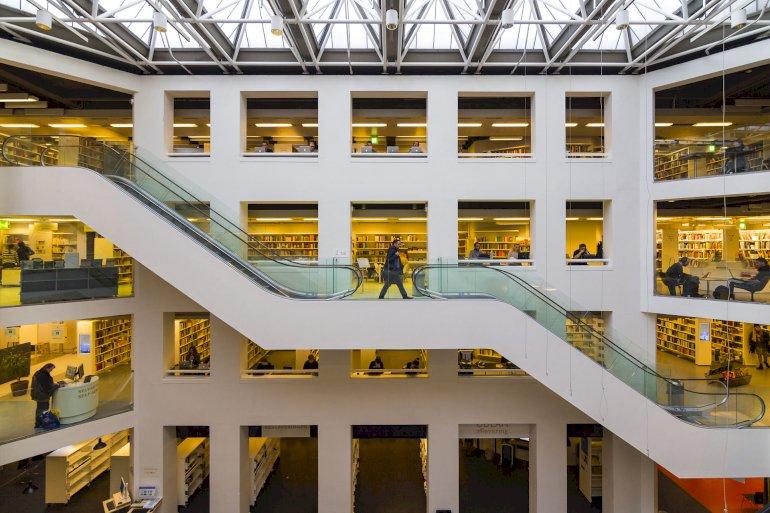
41 285
77 401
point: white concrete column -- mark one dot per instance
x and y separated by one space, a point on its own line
334 444
228 127
333 229
628 478
226 344
228 463
443 440
153 117
548 467
442 127
334 136
442 229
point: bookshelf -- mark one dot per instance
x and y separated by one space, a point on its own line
375 246
590 467
699 339
727 335
586 342
673 165
287 245
355 464
192 456
701 245
263 453
658 250
254 354
70 469
191 331
424 462
676 335
462 244
125 265
63 242
112 342
499 242
754 244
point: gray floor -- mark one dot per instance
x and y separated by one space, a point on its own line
293 485
17 414
390 477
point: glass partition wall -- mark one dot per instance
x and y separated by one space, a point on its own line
491 232
726 244
715 126
289 230
585 125
281 124
191 124
494 125
269 363
389 123
585 233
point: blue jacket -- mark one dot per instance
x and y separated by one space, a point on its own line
392 261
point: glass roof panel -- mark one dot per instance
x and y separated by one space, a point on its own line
345 35
434 36
520 37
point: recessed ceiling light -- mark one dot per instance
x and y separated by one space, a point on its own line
273 125
595 125
713 123
19 125
510 125
17 97
570 125
310 125
468 125
663 124
506 138
66 125
185 125
122 125
369 125
411 125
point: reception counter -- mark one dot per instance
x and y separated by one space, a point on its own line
77 401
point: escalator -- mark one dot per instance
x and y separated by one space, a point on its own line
211 226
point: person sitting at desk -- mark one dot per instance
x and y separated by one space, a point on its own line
193 357
367 147
581 253
513 254
476 253
310 363
755 284
266 148
376 363
675 276
415 148
42 390
735 158
313 147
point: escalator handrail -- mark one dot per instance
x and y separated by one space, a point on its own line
275 258
642 366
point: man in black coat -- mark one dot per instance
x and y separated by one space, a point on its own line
43 387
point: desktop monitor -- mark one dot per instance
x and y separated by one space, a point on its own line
71 372
81 371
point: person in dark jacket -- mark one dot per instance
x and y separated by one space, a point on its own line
42 390
23 251
755 284
310 363
759 343
675 275
394 270
735 158
193 357
376 363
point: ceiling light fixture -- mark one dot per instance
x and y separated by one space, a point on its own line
272 219
391 19
468 125
510 125
471 219
663 124
713 124
738 18
66 125
159 22
369 125
506 138
412 125
44 19
273 125
310 125
621 19
570 125
17 97
511 218
595 125
185 125
276 25
19 125
506 18
100 445
122 125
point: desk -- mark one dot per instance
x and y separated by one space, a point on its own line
77 401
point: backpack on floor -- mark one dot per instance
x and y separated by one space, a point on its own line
721 292
49 420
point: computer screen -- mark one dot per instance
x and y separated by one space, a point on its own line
71 372
81 371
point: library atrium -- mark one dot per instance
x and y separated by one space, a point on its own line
384 256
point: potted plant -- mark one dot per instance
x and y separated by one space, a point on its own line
15 365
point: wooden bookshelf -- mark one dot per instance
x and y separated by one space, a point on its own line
254 354
658 250
462 244
63 242
673 165
590 344
590 467
193 331
754 244
263 453
70 469
375 246
192 456
355 452
727 335
498 242
112 342
424 462
125 265
677 335
701 245
286 245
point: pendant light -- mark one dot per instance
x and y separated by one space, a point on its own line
100 445
159 22
738 18
506 18
43 19
621 19
30 488
391 19
276 25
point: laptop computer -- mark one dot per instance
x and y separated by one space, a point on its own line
392 149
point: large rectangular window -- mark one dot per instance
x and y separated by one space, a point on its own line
495 125
389 363
494 232
714 126
585 233
47 259
191 124
585 125
259 362
283 230
282 124
390 124
191 352
726 244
